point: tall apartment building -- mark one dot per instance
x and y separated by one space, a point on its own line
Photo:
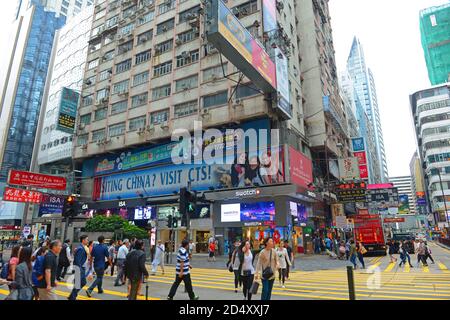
325 117
364 85
404 186
435 35
420 194
430 110
66 8
23 76
152 72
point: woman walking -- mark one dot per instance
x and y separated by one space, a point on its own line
159 258
266 267
353 254
360 250
13 263
23 275
246 267
284 261
236 265
391 251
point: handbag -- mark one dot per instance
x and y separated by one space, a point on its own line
268 272
230 268
363 250
254 288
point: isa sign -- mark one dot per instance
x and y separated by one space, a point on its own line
358 144
51 204
67 110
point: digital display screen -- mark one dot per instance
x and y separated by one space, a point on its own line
248 212
143 213
298 211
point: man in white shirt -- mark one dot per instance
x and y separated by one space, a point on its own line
121 256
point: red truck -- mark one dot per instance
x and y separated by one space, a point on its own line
368 230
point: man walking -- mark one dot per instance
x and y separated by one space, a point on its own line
290 254
183 272
64 261
79 263
99 255
135 269
48 283
112 255
121 256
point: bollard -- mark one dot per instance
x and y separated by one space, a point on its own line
351 283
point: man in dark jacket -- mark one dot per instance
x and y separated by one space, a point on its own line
79 263
63 261
134 268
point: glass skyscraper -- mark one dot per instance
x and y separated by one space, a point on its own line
364 86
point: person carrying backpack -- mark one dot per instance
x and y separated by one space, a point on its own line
37 274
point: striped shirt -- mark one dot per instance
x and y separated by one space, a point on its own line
182 256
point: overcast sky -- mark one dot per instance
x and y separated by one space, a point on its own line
389 33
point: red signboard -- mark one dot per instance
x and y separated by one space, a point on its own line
361 157
9 227
21 195
391 220
380 186
363 211
300 168
363 172
37 180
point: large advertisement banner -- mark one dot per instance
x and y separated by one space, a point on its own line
51 204
283 99
403 207
21 195
349 169
269 9
36 180
235 42
300 168
67 110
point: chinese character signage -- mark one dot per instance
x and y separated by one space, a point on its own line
21 195
349 169
351 192
383 198
300 168
67 110
51 204
36 180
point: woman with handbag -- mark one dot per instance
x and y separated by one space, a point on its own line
360 250
235 266
284 260
265 268
23 280
246 268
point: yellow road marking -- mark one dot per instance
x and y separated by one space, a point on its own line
426 269
407 268
58 293
442 266
390 267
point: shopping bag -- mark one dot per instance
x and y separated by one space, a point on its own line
254 288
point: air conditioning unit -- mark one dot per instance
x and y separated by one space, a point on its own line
237 103
120 38
185 55
190 16
143 39
133 16
280 5
84 146
88 82
150 127
165 125
205 112
157 50
104 100
163 28
123 94
81 126
178 41
141 131
194 22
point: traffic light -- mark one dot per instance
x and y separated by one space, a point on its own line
187 205
169 221
69 207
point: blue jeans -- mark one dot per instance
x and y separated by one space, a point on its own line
267 286
353 260
98 282
76 289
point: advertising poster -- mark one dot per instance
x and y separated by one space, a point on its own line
300 168
269 9
358 144
51 204
284 100
67 110
403 207
349 169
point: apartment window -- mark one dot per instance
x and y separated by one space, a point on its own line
140 78
161 92
90 81
123 48
100 114
144 37
127 29
189 14
185 109
166 6
165 26
159 116
246 90
110 38
186 83
143 56
106 74
123 66
146 18
85 119
139 100
98 135
163 68
121 87
218 99
188 36
187 58
100 14
128 12
102 94
82 139
88 100
95 46
93 64
213 73
119 107
112 22
43 147
245 9
116 129
108 55
137 123
164 46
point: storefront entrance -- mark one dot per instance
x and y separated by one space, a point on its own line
201 241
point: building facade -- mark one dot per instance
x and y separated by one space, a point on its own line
431 115
404 186
435 35
420 194
66 8
153 72
364 86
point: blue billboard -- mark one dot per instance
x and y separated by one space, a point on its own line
358 144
